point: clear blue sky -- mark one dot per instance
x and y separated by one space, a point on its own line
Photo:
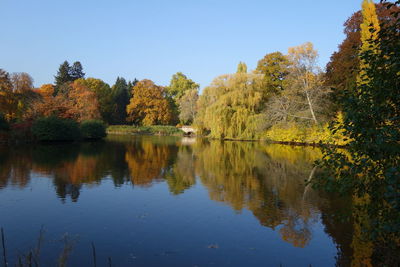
154 39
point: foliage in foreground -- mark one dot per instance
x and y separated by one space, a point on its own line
370 168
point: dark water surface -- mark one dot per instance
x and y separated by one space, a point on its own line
165 201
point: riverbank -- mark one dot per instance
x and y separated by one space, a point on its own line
294 136
144 130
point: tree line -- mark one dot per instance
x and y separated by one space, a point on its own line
72 96
286 96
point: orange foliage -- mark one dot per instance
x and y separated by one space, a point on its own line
146 162
79 104
84 102
149 106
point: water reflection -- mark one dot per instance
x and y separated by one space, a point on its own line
267 180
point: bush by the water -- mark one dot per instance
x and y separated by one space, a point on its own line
147 130
93 129
3 123
55 129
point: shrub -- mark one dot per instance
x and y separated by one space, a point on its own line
21 131
93 129
3 123
55 129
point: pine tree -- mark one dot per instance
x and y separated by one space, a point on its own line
63 75
76 71
121 98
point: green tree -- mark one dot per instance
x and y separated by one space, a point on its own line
121 98
179 84
275 67
76 71
63 75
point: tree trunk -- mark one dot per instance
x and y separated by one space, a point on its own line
311 107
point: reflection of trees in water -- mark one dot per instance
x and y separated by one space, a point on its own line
15 168
70 165
181 175
148 162
244 175
266 179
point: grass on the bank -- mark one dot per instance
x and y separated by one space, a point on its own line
150 130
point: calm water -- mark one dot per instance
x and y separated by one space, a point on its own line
163 201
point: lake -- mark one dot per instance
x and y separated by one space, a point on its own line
170 201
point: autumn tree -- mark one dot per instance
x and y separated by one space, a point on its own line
104 96
148 105
79 104
187 104
343 67
305 75
369 168
21 82
49 104
7 97
85 104
369 32
299 95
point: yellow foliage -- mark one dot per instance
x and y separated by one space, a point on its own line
314 134
231 107
369 32
148 105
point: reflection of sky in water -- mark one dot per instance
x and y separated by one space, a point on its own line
161 201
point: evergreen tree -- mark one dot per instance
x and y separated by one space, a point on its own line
131 84
121 97
63 75
76 71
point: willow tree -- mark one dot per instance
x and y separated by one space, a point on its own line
232 106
